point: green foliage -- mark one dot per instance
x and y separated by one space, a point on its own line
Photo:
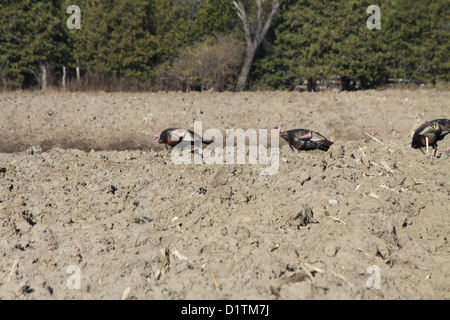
30 32
181 23
318 40
128 38
133 41
417 40
214 17
114 40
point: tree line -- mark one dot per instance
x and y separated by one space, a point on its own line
203 44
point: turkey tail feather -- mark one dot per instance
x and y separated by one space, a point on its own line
324 145
207 141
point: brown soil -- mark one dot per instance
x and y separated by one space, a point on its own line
83 184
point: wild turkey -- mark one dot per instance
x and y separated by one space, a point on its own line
174 136
429 133
304 139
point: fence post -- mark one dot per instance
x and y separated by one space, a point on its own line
64 78
44 77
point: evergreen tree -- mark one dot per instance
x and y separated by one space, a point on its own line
30 37
115 39
309 40
417 40
316 40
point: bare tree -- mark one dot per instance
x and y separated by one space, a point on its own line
40 72
254 35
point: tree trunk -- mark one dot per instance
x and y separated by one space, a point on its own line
241 84
44 77
64 78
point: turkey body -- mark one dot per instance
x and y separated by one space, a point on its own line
304 139
433 131
174 136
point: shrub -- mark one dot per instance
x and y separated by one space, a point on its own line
212 64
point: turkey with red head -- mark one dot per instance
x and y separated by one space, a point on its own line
429 133
174 136
304 139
